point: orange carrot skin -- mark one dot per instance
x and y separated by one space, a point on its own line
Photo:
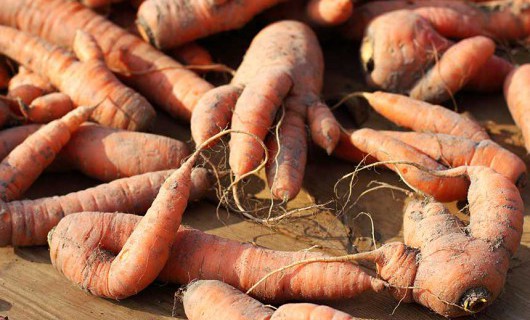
457 151
346 151
325 129
329 12
517 97
108 154
26 162
490 78
386 148
162 80
457 66
28 86
192 54
170 23
308 311
12 137
87 83
212 299
27 222
424 117
48 107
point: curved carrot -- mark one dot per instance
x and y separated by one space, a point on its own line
212 299
26 162
164 81
27 222
87 82
517 97
457 151
329 12
48 108
170 23
423 117
304 311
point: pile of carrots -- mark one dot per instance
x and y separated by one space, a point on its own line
79 83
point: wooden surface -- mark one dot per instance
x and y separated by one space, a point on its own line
30 288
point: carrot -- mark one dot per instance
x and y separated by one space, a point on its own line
48 108
104 271
192 54
170 23
422 116
304 311
164 81
12 137
454 151
87 82
28 86
196 255
458 65
108 154
386 148
325 129
516 94
329 12
27 222
26 162
212 299
490 78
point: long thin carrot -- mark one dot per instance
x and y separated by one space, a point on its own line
26 162
87 82
170 23
162 80
457 151
517 97
27 222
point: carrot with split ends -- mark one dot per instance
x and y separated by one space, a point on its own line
87 82
329 12
108 154
170 23
517 97
161 79
213 299
12 137
423 117
457 151
48 108
196 255
26 162
27 222
457 66
309 311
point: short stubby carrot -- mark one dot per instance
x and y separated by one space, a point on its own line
517 97
108 154
48 108
87 82
162 80
213 299
170 23
25 163
27 222
424 117
458 151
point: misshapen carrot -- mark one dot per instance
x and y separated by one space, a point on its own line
458 151
170 23
161 79
517 97
26 162
27 222
424 117
48 108
87 82
329 12
212 299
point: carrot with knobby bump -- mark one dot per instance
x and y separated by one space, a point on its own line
422 116
26 162
170 23
48 108
329 12
517 97
196 255
27 222
28 86
87 82
457 151
12 137
162 80
213 299
308 311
